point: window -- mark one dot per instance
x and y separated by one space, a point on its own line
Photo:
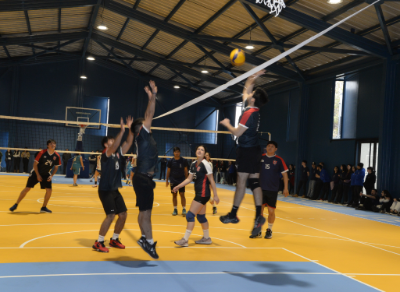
338 110
206 120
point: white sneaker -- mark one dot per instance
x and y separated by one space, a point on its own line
94 186
182 242
204 241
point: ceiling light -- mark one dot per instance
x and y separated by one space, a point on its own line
334 1
177 86
102 27
83 77
90 57
249 47
204 71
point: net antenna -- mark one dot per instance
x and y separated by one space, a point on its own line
81 132
275 6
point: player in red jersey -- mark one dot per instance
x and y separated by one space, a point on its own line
44 162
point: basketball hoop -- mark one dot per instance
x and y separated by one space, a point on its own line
275 6
81 131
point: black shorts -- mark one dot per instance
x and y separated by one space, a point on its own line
201 200
113 202
181 190
248 159
44 184
270 198
143 185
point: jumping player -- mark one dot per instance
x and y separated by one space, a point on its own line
146 161
110 197
272 167
201 173
248 152
44 162
177 172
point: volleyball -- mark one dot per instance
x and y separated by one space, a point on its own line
237 57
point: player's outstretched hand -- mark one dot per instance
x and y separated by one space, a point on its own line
225 122
216 199
258 74
153 87
285 193
129 121
50 177
122 125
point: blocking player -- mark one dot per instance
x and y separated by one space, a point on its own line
110 197
271 170
248 152
177 172
146 166
45 160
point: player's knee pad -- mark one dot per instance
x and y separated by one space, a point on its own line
190 217
254 183
201 218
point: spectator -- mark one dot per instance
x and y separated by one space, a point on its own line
395 208
221 171
163 162
370 180
347 184
305 173
385 202
352 186
65 158
318 183
339 193
92 163
335 182
324 176
359 176
8 160
369 201
313 180
17 160
291 178
25 159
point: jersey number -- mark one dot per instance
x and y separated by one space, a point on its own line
267 166
116 165
49 162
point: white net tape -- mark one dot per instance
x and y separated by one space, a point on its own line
262 66
275 6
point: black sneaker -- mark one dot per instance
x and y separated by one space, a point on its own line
258 235
258 223
226 219
14 207
214 210
141 241
150 249
268 234
45 210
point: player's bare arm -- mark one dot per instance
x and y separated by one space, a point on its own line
117 140
151 107
249 85
235 131
35 167
184 183
286 184
128 143
213 187
54 172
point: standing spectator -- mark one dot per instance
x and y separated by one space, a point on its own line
347 184
305 173
339 193
311 185
335 182
325 183
231 173
25 159
359 176
352 186
8 160
65 158
318 183
163 162
17 160
291 178
92 163
370 180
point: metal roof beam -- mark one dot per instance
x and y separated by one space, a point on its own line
59 22
336 33
13 5
28 24
90 28
162 61
385 31
187 35
7 52
7 41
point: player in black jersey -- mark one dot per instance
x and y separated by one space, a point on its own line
177 172
146 166
201 172
45 160
111 175
248 152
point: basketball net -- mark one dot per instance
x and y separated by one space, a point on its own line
275 6
81 132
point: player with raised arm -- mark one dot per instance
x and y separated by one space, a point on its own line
146 166
201 173
248 152
110 197
45 160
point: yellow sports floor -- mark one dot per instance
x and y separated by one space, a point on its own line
365 250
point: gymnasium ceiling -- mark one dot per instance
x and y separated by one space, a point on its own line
174 40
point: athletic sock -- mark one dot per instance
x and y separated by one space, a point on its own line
270 225
101 238
175 207
151 241
214 204
233 212
187 234
143 235
258 211
115 236
184 208
206 233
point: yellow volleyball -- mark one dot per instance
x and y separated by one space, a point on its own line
237 57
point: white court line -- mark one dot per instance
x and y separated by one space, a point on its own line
345 275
